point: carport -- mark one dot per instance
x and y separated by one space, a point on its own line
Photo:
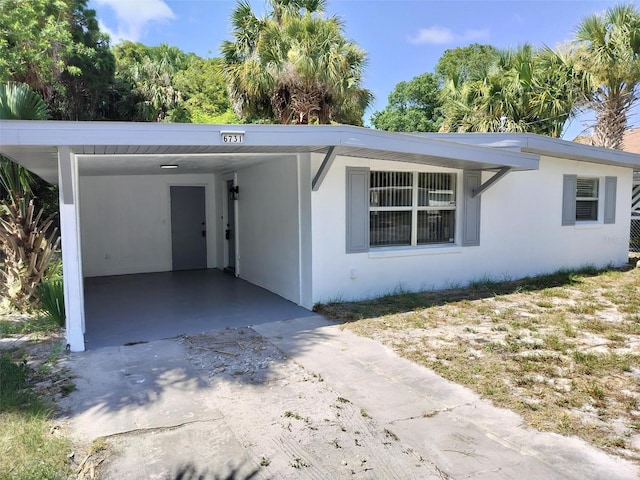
125 281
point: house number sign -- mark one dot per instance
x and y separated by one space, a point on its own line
232 137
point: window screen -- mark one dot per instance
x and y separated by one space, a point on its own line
587 199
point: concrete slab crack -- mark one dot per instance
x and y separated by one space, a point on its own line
430 414
167 428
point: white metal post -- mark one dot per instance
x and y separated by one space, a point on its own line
71 253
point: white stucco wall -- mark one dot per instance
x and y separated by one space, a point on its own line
268 226
126 222
521 234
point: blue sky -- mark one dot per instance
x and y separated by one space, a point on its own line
403 38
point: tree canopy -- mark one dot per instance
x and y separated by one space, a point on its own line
465 63
294 65
413 106
523 90
57 49
205 92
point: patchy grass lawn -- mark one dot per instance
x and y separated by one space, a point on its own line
562 350
31 447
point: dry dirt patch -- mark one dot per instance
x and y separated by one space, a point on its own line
563 350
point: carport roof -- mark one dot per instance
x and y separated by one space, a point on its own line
118 148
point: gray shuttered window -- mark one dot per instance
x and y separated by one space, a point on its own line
569 184
471 209
357 210
610 192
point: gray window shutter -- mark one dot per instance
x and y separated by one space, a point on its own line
357 210
569 183
471 209
610 192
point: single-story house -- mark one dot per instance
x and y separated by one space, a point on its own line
322 213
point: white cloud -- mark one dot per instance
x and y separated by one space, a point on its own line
438 35
435 35
134 16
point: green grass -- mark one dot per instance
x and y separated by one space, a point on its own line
35 324
28 451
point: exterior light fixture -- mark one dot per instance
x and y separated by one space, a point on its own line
168 166
233 192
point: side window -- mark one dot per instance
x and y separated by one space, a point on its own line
587 198
582 199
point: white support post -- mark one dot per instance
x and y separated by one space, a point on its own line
71 252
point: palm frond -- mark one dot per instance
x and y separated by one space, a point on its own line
19 102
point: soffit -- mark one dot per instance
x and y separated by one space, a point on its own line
112 148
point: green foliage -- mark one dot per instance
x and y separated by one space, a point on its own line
146 82
14 393
524 90
413 106
608 52
51 297
86 83
27 240
31 324
294 66
204 91
36 40
466 63
19 102
55 47
30 452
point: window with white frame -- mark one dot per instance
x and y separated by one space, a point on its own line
587 197
411 208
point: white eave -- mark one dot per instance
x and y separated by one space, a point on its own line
544 146
118 148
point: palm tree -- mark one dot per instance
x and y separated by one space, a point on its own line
149 72
18 102
27 241
294 66
525 90
608 51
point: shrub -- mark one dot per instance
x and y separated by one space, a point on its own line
51 297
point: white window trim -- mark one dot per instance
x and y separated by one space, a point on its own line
419 250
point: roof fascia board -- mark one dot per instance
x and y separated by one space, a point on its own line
542 145
39 133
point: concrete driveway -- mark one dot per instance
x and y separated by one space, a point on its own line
303 399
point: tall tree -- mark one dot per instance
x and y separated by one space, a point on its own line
294 65
608 49
56 48
86 89
413 106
